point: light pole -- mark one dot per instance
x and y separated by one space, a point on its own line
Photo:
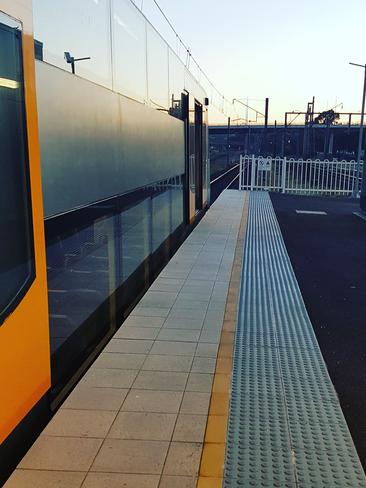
360 134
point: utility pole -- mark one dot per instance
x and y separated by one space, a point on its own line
359 148
265 125
228 142
275 140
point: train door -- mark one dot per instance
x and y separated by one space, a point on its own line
198 155
186 191
205 159
24 336
191 158
194 128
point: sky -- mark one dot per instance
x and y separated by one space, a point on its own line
287 50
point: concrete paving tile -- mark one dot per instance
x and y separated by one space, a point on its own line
219 305
221 287
118 480
142 321
201 296
174 274
143 425
157 380
80 423
201 275
214 315
190 286
178 335
109 378
207 350
26 478
178 482
187 313
142 311
195 403
158 299
131 456
61 454
190 304
183 459
218 298
199 382
119 360
212 336
190 428
203 365
92 398
152 401
213 323
168 363
167 284
135 332
131 346
173 348
183 323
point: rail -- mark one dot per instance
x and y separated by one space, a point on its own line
223 174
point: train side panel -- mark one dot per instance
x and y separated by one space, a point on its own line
24 332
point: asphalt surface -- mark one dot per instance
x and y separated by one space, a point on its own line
328 254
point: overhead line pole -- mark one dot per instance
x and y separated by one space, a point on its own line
360 136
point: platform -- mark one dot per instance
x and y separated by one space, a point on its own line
138 417
215 380
286 425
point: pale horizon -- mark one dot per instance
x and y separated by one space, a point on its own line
265 49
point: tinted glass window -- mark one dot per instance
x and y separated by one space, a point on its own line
81 28
157 74
16 252
129 50
176 85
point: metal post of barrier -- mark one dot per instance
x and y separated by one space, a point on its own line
283 185
241 172
252 176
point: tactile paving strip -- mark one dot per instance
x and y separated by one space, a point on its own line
286 426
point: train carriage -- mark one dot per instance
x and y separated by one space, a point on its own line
104 172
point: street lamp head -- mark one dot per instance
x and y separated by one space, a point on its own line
360 65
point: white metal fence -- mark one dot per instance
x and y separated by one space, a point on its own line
307 177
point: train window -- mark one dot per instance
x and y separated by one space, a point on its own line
80 27
157 73
16 240
129 53
176 85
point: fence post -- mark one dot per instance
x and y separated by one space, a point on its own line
284 164
240 172
252 175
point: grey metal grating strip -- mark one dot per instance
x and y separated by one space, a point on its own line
286 427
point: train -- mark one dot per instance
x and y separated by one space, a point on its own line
105 171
